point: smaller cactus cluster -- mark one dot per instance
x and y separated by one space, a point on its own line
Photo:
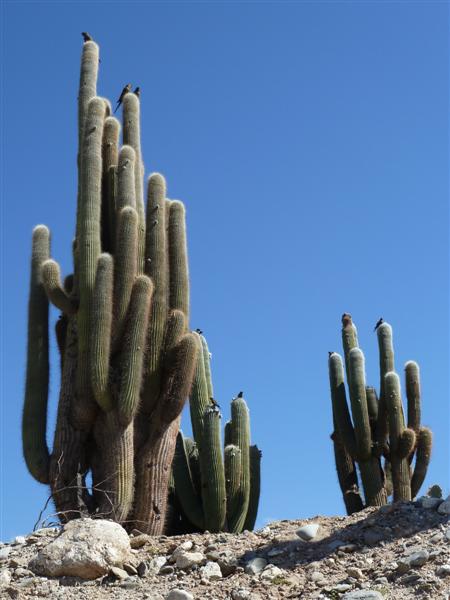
215 491
392 454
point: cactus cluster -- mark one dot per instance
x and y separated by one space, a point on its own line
127 355
215 492
392 454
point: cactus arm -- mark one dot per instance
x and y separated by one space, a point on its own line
126 192
34 418
88 85
386 359
101 332
372 407
412 379
131 137
227 434
194 464
178 265
358 401
424 445
125 273
51 279
199 398
61 335
207 361
349 340
88 249
132 355
241 439
339 403
232 465
188 498
110 160
255 487
212 469
400 466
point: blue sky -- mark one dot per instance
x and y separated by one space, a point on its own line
309 142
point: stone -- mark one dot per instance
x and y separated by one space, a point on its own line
308 532
240 594
227 562
5 577
119 573
139 540
186 560
355 572
270 572
155 564
4 552
412 559
255 566
447 534
166 570
316 576
184 547
86 548
443 571
444 508
430 503
341 587
363 595
211 571
178 594
19 540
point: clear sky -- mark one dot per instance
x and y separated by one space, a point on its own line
309 141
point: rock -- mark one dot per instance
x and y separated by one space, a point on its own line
4 552
443 571
227 562
142 569
255 566
184 547
140 540
119 573
355 572
211 571
21 572
308 532
86 548
341 587
270 572
363 595
316 576
444 508
178 594
447 534
155 564
413 559
166 570
427 502
240 594
5 577
186 560
19 540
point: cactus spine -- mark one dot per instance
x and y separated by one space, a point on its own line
127 356
214 492
376 428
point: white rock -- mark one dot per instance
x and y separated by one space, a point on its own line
178 594
211 571
4 552
308 532
86 548
5 577
186 560
443 571
20 539
240 594
270 572
427 502
355 572
363 595
444 508
155 564
255 566
184 547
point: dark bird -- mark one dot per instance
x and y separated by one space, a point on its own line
214 403
124 92
86 37
137 92
240 395
199 331
380 320
330 353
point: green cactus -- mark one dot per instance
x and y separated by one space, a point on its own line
127 356
376 428
216 493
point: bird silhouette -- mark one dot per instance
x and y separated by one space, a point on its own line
123 93
137 92
380 320
240 395
214 403
330 353
199 331
86 37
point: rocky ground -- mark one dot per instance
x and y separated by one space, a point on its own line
397 551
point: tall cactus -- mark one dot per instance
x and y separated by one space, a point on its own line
215 492
127 355
376 428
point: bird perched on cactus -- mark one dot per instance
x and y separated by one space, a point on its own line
124 92
378 323
137 91
86 36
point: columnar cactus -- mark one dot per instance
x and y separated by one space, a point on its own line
216 493
375 436
127 355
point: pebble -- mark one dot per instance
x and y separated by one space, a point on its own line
316 576
308 532
430 503
178 594
255 566
363 595
119 573
414 559
341 587
5 577
444 508
211 571
4 552
186 560
20 539
240 594
270 572
443 571
355 572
